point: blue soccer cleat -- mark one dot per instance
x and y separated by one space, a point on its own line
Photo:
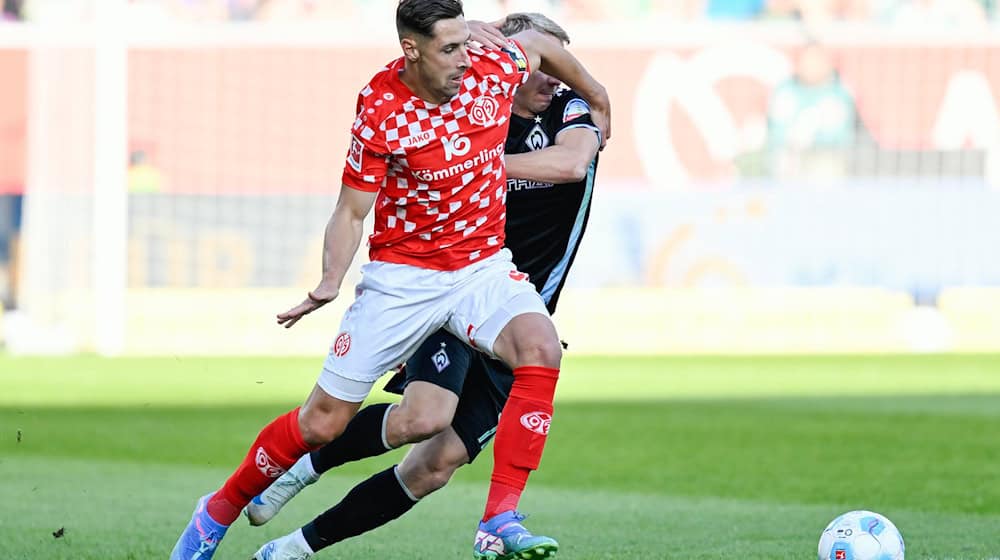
200 537
502 537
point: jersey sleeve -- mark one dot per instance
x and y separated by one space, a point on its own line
368 157
510 65
515 52
575 114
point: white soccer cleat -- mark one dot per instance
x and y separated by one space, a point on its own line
288 547
265 506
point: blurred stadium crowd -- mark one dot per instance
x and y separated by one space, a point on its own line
837 162
918 13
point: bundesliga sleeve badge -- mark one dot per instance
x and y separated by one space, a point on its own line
574 109
355 155
516 56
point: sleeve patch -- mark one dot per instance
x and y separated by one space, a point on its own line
517 56
354 157
576 108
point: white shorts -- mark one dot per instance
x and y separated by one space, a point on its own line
397 306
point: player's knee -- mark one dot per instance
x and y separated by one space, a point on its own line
317 431
437 478
317 435
427 477
425 426
542 352
411 426
550 353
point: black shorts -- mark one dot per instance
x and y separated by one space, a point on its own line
482 385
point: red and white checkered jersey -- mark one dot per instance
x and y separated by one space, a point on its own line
438 169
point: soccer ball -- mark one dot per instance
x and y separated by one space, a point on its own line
861 535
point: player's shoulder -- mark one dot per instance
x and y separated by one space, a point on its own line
381 96
563 96
383 89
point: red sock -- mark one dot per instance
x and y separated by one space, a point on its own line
278 446
521 435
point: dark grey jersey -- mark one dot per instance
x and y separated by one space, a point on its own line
545 221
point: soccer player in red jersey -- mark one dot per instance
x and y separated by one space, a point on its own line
453 394
427 154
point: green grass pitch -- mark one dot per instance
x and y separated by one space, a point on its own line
674 458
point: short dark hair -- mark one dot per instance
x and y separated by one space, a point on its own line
419 16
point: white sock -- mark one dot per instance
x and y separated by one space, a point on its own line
303 469
300 540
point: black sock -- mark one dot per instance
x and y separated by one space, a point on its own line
371 504
361 438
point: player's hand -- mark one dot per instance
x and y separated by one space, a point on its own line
487 34
602 120
314 300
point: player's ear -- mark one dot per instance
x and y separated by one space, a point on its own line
410 49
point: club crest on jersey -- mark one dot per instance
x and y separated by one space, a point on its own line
440 359
574 109
355 155
537 139
484 110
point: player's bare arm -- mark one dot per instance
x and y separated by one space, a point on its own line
340 243
566 161
547 54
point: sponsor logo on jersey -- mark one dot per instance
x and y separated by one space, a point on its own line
840 555
518 276
484 110
342 345
440 359
418 139
356 153
574 109
481 158
537 139
526 185
266 465
455 145
537 422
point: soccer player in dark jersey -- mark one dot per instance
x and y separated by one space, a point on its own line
551 155
426 156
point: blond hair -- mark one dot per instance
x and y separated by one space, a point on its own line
516 23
